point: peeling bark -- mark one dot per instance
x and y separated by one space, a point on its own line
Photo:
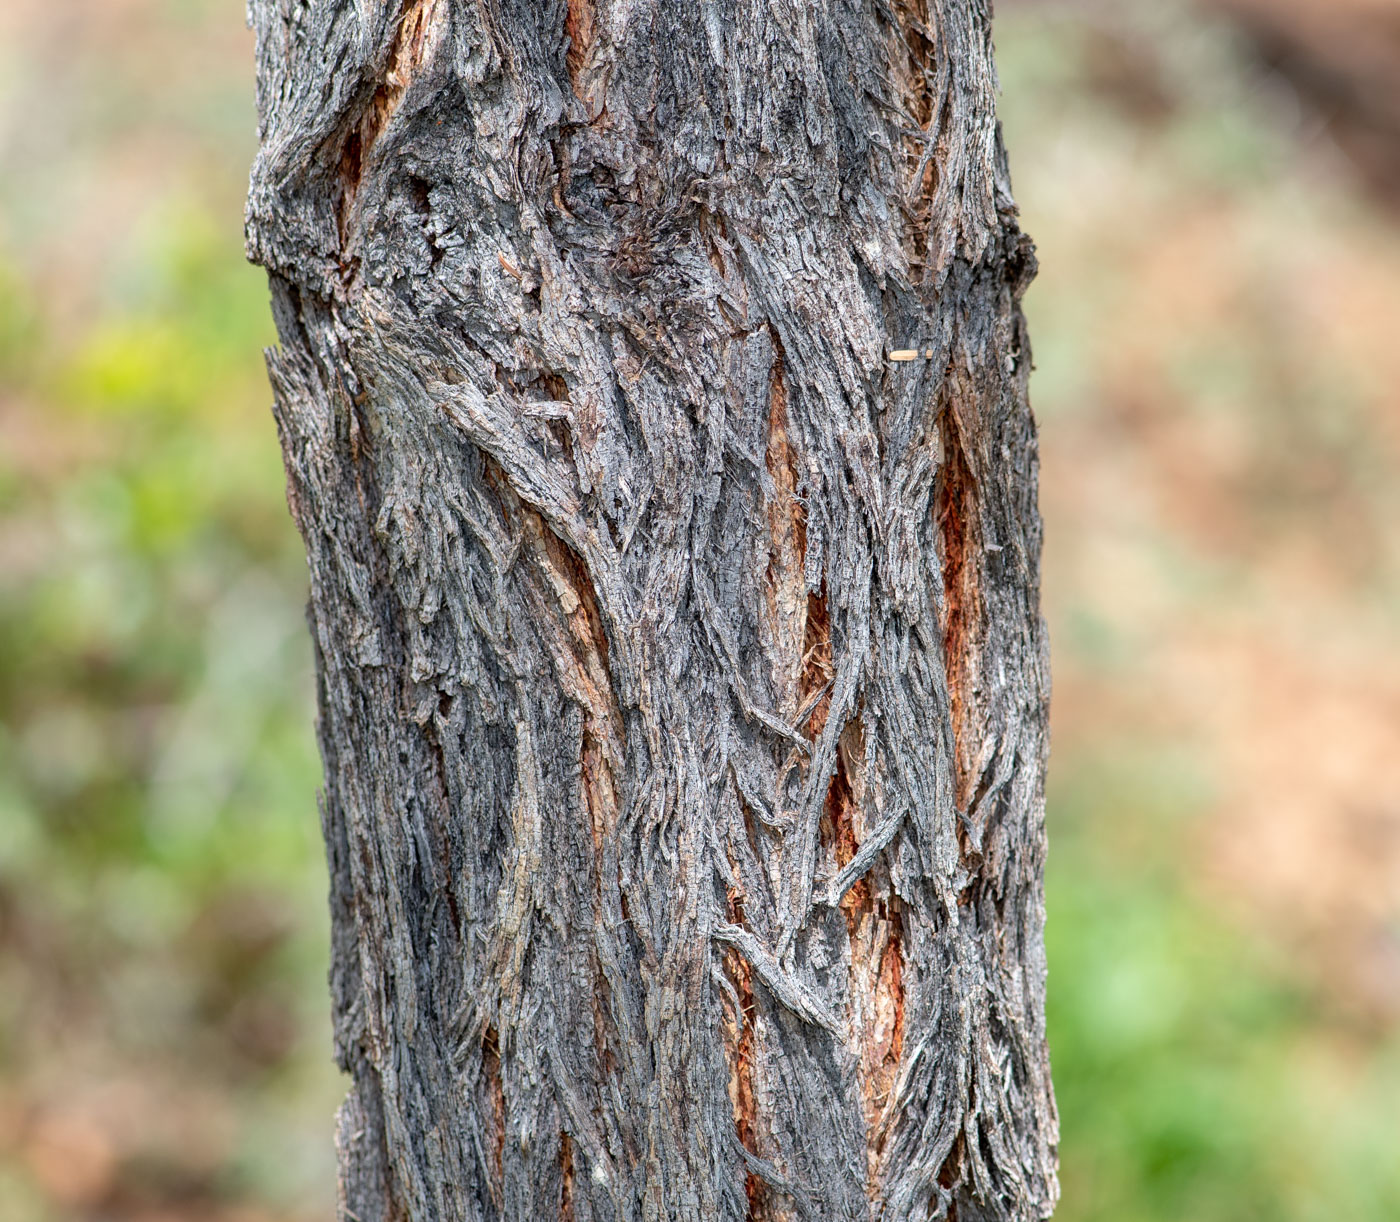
682 684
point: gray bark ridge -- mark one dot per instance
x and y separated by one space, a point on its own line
682 682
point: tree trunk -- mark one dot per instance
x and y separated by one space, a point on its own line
682 682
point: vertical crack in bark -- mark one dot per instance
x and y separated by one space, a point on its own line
601 754
840 833
558 390
955 500
418 29
599 793
580 653
352 162
887 1046
580 28
785 580
435 732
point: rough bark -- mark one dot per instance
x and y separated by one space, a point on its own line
682 682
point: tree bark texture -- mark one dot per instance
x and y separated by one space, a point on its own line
682 681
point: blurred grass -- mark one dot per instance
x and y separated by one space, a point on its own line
1219 472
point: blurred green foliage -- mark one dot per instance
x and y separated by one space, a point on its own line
161 878
1196 1076
1203 1070
162 917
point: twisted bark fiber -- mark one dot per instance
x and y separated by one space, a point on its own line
682 682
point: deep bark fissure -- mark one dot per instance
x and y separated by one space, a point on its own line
491 1069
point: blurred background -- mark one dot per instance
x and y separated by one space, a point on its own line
1215 192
